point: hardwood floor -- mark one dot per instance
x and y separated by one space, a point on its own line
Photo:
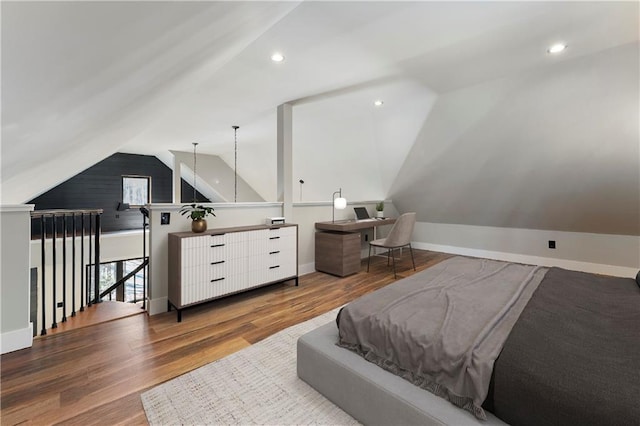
96 314
95 374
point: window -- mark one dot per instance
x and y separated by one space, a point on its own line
136 190
132 291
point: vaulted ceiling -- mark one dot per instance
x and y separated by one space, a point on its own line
474 106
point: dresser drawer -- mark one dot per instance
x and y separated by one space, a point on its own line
205 267
226 268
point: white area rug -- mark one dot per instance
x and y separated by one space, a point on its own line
257 385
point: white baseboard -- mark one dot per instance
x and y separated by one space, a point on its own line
306 268
158 306
16 339
594 268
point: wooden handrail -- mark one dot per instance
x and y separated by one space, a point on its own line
56 212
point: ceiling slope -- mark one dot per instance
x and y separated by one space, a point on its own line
215 179
549 148
80 79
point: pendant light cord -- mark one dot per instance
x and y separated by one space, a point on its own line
235 165
194 171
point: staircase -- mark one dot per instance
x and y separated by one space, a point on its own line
67 281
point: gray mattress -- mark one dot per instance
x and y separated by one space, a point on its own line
443 328
370 394
571 358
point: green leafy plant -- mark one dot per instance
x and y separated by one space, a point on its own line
380 206
196 211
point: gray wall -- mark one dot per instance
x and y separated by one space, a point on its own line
215 178
553 148
15 230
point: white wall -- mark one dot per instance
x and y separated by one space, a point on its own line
342 140
15 231
617 255
307 214
216 179
597 253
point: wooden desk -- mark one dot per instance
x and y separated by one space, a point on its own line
337 244
353 225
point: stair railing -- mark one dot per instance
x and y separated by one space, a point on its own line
58 227
119 285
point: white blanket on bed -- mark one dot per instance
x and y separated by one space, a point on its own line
442 329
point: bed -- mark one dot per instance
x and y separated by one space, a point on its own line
474 341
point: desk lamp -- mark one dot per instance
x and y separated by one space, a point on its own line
338 203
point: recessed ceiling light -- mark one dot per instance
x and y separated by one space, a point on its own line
277 57
557 48
378 103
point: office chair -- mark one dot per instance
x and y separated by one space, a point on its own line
399 236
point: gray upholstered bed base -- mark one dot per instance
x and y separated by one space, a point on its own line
368 393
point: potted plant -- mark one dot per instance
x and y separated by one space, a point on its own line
380 209
197 213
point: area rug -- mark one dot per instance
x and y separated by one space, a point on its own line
257 385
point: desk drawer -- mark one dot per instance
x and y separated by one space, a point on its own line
337 253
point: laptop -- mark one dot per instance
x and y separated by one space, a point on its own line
361 213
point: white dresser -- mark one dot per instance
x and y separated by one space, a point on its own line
224 261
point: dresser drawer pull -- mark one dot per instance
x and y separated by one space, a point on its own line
273 228
217 235
274 238
217 279
218 262
274 252
217 245
274 267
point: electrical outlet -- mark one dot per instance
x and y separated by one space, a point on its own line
165 218
552 244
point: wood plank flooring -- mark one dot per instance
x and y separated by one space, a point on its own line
95 374
106 311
